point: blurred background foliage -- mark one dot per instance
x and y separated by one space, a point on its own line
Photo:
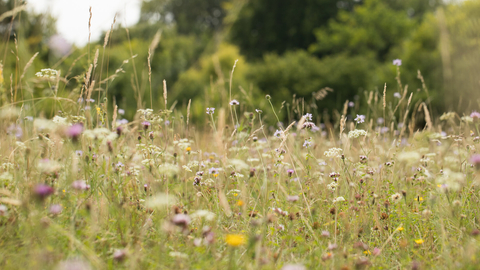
290 50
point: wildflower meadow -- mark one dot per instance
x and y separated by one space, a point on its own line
250 182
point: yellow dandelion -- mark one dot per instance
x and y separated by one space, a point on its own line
400 229
240 203
189 149
419 199
63 190
215 175
419 241
367 252
235 240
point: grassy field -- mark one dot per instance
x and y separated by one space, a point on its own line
91 190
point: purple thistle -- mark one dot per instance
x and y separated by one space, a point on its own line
475 115
146 124
42 191
75 131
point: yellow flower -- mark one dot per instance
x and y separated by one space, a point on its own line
235 240
189 149
419 241
419 199
235 194
240 203
367 252
215 175
400 229
98 110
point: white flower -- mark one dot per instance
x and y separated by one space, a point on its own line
359 119
332 186
357 133
396 197
333 152
209 216
60 120
234 102
339 199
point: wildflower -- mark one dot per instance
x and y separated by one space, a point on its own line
308 125
376 251
181 220
397 95
380 120
325 234
258 111
292 198
396 197
307 143
475 115
3 210
75 131
278 133
121 111
55 209
188 149
397 62
419 199
332 246
333 152
80 185
293 267
146 125
351 104
213 170
332 186
235 240
119 254
419 241
338 199
359 119
308 117
357 133
234 102
290 172
240 203
475 160
42 191
15 130
210 110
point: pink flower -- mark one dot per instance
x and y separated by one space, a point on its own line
42 191
75 131
475 115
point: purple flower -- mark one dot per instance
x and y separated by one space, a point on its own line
397 62
75 131
210 110
290 172
380 120
475 160
42 191
213 170
15 130
121 111
181 220
146 125
80 185
55 209
351 104
308 116
475 115
376 251
325 234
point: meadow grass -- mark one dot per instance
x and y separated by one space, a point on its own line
90 190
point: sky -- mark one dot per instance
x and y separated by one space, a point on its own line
72 16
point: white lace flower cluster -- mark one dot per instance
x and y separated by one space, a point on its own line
333 152
356 133
47 73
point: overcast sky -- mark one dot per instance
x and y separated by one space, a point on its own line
72 16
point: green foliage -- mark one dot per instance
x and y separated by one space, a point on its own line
275 26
